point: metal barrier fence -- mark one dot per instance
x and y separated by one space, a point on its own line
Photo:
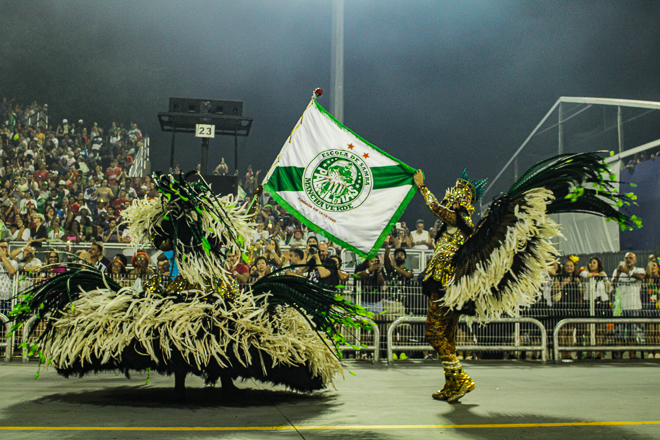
636 340
141 166
493 339
364 341
532 327
110 250
400 309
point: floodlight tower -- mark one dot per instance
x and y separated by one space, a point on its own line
337 61
206 118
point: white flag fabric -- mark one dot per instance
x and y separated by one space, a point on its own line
338 184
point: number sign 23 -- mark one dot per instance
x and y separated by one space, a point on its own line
204 130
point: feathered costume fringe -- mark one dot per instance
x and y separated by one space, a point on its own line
281 329
528 242
103 326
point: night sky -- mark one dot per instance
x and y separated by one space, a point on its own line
442 85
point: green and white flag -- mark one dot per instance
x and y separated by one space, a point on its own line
338 184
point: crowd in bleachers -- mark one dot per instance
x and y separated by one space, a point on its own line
68 182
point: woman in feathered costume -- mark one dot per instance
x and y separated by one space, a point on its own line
489 270
281 329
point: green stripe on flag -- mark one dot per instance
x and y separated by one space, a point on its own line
290 178
286 179
391 177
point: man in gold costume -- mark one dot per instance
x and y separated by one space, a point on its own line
455 212
488 271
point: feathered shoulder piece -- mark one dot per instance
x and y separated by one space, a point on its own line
197 225
504 262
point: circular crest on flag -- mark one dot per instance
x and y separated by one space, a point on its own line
337 180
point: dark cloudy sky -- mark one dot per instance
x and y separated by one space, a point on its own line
439 84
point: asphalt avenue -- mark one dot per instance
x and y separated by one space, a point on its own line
589 400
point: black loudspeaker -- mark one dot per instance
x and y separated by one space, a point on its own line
204 106
221 185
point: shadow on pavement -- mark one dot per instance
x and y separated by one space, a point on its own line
461 414
163 397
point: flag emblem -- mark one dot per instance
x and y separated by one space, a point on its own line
337 180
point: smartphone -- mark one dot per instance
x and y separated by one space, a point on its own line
290 228
398 225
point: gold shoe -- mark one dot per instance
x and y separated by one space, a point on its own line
445 392
463 385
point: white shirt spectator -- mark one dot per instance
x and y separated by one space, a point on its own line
596 286
34 262
6 280
630 289
294 242
25 237
256 236
97 143
417 238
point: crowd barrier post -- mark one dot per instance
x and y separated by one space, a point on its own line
9 340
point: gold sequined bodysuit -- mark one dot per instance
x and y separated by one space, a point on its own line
440 266
441 322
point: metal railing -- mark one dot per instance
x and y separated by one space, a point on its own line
617 321
364 342
516 346
400 313
141 166
9 341
38 119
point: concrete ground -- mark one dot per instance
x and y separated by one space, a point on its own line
513 399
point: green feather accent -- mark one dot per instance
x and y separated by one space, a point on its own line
321 305
56 294
580 183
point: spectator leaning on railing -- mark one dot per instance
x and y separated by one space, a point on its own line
296 258
27 261
371 276
297 241
627 280
651 303
567 301
397 275
597 288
